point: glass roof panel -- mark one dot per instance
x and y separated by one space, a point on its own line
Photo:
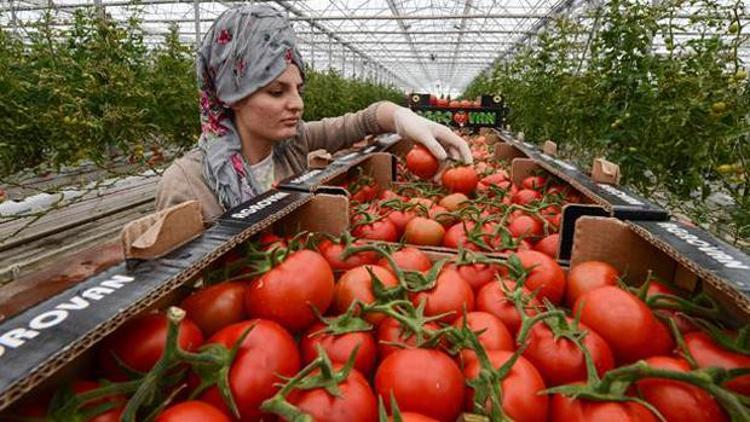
423 45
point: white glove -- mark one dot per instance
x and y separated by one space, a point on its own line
435 137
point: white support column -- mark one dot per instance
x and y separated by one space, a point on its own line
330 53
197 17
343 61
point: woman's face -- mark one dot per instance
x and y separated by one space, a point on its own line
273 112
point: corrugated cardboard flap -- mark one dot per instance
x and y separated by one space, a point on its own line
636 252
604 171
319 159
159 233
732 292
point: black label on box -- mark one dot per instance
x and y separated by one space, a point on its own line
571 214
260 208
37 335
625 204
715 256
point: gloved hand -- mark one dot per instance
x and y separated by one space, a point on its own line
438 139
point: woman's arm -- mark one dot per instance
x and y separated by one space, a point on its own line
383 117
336 133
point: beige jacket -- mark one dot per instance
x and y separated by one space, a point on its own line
183 180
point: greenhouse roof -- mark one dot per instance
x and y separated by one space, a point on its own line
422 45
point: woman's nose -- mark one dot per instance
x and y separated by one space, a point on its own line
296 103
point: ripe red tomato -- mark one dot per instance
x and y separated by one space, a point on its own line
413 417
708 353
441 215
408 258
423 381
588 276
365 193
140 343
525 226
492 299
496 178
566 409
553 215
678 401
625 323
457 236
285 293
356 284
451 293
400 218
421 162
392 337
192 411
112 415
526 196
657 288
356 402
521 388
382 229
533 182
460 179
545 275
493 335
423 231
548 246
214 307
332 253
340 347
477 275
267 353
560 361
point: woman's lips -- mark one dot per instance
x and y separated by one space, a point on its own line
290 122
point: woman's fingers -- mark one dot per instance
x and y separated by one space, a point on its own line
450 139
428 141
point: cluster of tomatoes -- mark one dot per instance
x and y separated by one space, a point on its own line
446 102
334 329
325 328
475 207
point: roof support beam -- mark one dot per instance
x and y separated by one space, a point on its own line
286 4
461 27
405 33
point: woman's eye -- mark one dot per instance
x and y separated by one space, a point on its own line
277 93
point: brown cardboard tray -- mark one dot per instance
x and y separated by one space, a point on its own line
636 248
53 335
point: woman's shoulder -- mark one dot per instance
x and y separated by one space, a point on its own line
188 168
183 181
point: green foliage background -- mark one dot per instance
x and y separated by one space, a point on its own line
675 118
94 91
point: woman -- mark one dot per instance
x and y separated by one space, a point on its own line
251 78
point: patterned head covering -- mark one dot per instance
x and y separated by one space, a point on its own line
246 48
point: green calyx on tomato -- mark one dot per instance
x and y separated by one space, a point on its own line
348 322
614 385
699 306
151 391
412 320
319 374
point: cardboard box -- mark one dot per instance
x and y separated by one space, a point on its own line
600 191
46 361
380 165
688 256
50 340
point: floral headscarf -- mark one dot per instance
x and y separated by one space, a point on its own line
247 48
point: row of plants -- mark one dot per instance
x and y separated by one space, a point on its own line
94 90
671 109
